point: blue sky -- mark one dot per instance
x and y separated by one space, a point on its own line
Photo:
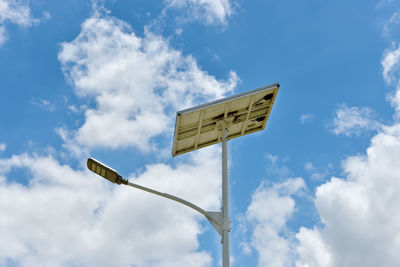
104 79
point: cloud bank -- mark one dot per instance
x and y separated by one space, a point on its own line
359 213
54 215
77 220
136 84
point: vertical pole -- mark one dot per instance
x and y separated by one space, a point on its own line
225 204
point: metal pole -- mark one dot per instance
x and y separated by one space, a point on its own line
225 204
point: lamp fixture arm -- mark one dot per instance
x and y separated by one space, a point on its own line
165 195
215 218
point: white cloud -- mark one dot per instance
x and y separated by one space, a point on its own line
73 108
268 212
43 104
207 11
64 217
394 20
313 252
309 166
2 147
306 118
319 176
391 65
353 120
276 168
137 83
16 12
360 213
317 173
391 74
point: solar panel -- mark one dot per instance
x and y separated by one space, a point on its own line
246 113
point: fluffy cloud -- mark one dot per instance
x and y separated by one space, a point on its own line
268 212
360 212
391 64
208 11
137 83
353 120
312 250
14 11
61 216
391 73
67 217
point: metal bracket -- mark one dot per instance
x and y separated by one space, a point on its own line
223 125
215 218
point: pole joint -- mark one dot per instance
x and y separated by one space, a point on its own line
223 128
226 225
121 180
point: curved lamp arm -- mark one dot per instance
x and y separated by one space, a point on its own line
215 218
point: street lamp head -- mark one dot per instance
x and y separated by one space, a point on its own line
105 171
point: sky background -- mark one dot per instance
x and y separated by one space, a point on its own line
104 79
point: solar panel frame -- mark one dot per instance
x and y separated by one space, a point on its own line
247 112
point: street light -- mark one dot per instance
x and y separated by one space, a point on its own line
105 171
205 125
219 121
